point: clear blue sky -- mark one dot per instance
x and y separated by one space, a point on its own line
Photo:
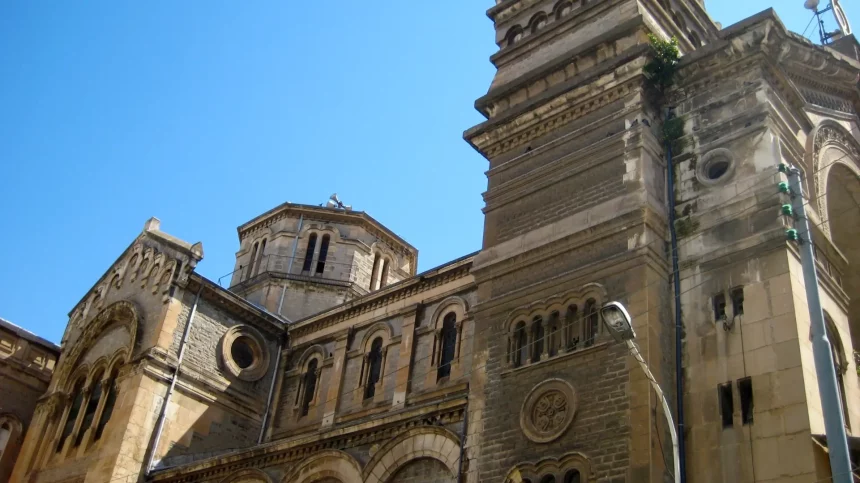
207 113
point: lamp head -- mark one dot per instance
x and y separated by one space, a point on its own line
617 321
811 5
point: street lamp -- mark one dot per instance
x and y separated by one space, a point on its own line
620 325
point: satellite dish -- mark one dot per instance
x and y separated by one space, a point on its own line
841 18
335 202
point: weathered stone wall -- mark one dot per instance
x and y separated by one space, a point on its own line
196 426
407 320
732 239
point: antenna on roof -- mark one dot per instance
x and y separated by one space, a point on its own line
335 202
841 20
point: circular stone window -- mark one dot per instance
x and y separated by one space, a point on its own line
548 411
243 355
716 167
242 352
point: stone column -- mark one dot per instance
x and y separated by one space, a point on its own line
336 382
404 368
37 440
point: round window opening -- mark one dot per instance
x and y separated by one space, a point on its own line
717 169
242 352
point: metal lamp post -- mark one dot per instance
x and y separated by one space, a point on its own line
619 324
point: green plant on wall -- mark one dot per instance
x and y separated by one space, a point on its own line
660 72
663 64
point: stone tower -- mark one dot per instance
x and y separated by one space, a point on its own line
298 260
576 215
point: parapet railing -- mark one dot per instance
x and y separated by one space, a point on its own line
330 272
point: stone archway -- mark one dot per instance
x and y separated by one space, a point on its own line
329 466
405 452
843 215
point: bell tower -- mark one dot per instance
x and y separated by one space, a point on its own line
298 260
575 216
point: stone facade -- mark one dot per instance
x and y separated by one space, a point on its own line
331 360
26 364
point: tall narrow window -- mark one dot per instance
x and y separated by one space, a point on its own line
572 476
591 322
110 400
310 386
323 253
746 393
5 434
537 338
374 360
90 412
552 339
249 270
448 345
571 325
521 347
839 363
383 278
737 295
260 257
727 404
719 307
374 272
72 417
309 253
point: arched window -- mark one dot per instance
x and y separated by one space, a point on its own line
591 322
309 253
72 414
537 338
92 406
572 476
448 344
260 256
250 269
562 9
552 338
323 253
310 384
110 400
374 362
374 271
514 35
840 363
538 22
571 327
521 346
548 479
383 278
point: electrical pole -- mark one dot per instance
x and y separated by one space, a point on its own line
831 404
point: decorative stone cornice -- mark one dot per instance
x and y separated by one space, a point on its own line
400 291
292 450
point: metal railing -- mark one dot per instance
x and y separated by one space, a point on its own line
331 271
